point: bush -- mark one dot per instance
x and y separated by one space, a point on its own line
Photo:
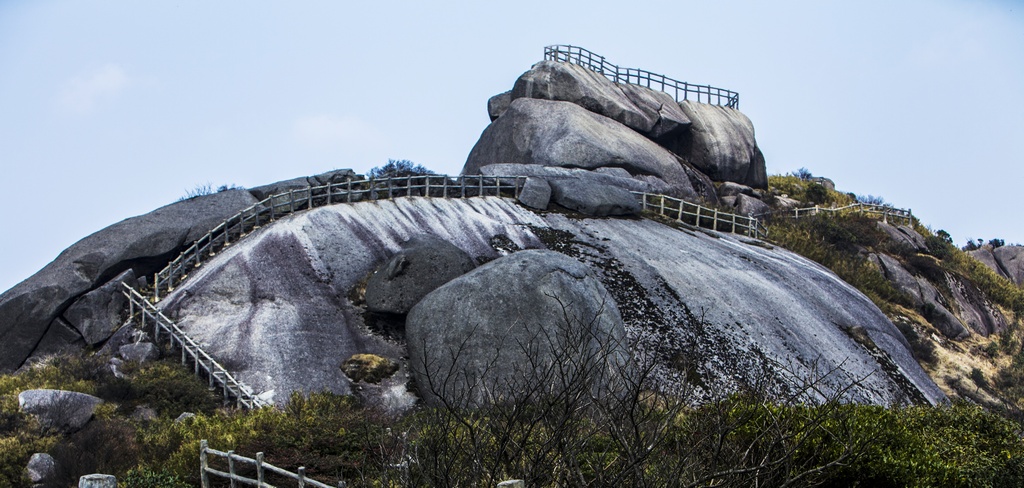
399 168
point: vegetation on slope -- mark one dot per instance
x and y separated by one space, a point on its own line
641 439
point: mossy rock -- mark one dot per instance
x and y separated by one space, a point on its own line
369 368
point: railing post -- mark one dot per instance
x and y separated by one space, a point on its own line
697 222
203 464
390 190
348 193
259 469
302 476
231 468
714 223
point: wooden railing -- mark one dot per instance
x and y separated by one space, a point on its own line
701 216
681 90
884 212
262 469
280 205
203 363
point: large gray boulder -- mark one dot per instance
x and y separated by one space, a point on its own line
904 236
498 104
748 205
988 258
97 314
1011 261
975 310
65 411
562 134
494 333
536 193
424 263
302 183
567 82
721 144
277 310
144 244
97 481
592 199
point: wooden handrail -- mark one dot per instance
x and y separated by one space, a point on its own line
218 375
680 90
701 216
261 468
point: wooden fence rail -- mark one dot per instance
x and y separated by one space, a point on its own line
203 363
701 216
261 468
280 205
681 90
886 213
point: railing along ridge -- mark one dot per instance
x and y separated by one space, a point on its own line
701 216
258 463
681 90
280 205
218 376
886 212
283 204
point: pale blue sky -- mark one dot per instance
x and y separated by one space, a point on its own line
109 109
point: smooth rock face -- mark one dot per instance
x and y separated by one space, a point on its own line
143 243
670 120
594 199
97 314
721 144
1011 261
486 336
41 468
977 313
66 411
424 263
536 193
925 297
282 293
567 82
563 134
734 313
498 104
748 205
905 236
988 258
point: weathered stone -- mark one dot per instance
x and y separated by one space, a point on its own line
925 297
144 413
731 189
184 417
41 468
489 334
536 193
284 292
498 104
424 263
142 243
905 236
977 312
1011 261
748 205
125 335
140 352
594 199
601 176
988 258
721 144
97 314
567 82
785 203
302 183
61 410
369 368
671 122
97 481
562 134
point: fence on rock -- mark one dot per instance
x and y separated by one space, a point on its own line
701 216
261 468
883 212
281 205
202 362
681 90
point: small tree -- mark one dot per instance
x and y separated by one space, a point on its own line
397 168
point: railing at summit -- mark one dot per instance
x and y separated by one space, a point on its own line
681 90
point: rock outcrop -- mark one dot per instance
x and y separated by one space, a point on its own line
30 312
718 309
721 144
65 411
563 114
1006 261
494 333
298 184
552 133
424 263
